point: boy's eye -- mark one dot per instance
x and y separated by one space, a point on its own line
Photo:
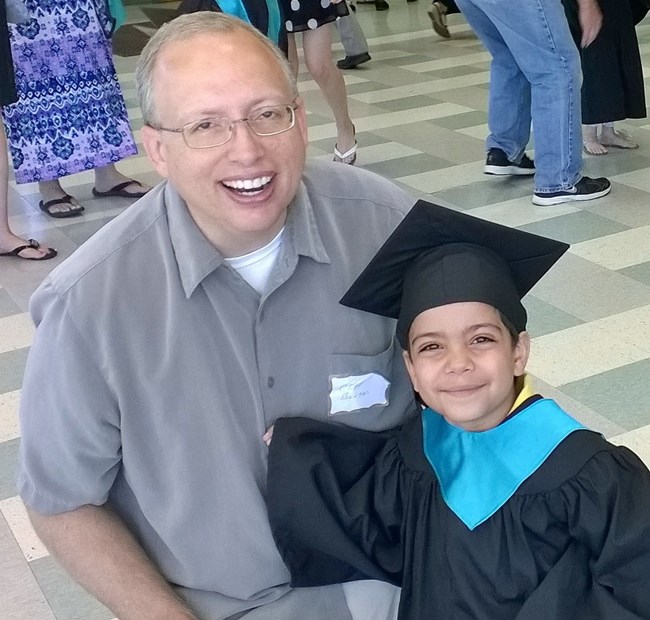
429 346
483 339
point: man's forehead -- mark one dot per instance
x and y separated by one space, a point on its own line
206 44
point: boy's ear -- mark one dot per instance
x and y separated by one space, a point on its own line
521 353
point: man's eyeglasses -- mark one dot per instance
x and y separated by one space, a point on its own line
215 131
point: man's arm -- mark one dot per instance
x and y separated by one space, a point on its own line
97 549
591 20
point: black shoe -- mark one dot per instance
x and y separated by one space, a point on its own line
497 162
438 19
585 189
381 5
351 62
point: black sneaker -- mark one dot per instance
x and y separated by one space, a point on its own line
381 5
585 189
351 62
497 162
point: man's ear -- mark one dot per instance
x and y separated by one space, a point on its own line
153 145
301 120
521 353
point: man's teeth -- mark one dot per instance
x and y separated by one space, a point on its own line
248 184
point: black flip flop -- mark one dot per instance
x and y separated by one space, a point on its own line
120 191
35 245
66 200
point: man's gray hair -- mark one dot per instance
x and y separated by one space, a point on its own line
185 27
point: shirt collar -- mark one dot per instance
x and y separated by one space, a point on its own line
525 393
197 257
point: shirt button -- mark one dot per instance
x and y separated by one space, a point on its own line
270 382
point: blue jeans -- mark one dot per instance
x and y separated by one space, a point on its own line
535 72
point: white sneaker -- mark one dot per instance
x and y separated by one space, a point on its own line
585 189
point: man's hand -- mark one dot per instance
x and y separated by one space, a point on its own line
591 20
268 436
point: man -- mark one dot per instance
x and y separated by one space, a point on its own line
535 73
353 40
188 325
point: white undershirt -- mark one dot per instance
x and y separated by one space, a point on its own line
256 266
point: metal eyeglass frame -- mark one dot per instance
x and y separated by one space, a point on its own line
292 107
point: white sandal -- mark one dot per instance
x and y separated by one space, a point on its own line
349 157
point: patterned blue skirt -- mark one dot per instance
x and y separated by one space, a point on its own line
70 115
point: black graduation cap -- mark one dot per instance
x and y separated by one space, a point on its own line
439 256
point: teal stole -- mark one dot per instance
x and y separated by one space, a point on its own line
237 8
479 472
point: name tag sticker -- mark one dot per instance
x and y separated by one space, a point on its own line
350 393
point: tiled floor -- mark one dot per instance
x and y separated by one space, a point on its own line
419 109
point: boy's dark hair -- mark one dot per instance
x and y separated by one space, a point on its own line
512 330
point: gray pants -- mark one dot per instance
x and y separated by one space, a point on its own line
324 603
358 600
352 37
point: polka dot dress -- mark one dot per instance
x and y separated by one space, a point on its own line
302 15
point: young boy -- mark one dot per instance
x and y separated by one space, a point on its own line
493 503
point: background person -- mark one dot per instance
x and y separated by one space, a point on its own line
353 40
612 85
314 20
535 76
70 115
11 245
438 11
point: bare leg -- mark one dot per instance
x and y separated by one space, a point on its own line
317 46
590 140
292 54
9 241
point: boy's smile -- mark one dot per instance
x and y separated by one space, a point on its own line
462 361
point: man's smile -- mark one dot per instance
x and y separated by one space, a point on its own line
248 187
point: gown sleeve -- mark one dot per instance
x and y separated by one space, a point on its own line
335 502
609 514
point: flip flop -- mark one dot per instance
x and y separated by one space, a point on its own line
66 200
119 190
33 244
349 157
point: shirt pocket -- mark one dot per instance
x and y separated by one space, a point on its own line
360 383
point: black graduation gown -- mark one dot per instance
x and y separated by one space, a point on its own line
612 85
573 542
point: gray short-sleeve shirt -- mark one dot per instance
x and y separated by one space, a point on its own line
169 368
